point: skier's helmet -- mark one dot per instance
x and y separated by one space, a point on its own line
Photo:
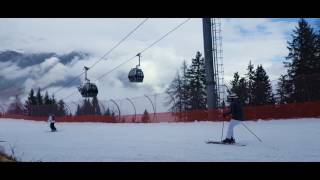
233 96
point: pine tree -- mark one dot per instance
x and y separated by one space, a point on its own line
84 107
107 113
239 86
90 108
284 88
46 99
39 97
78 112
178 91
53 107
61 111
304 63
96 106
175 92
250 79
197 84
185 87
53 100
177 97
30 103
317 61
262 90
235 83
243 91
47 103
145 117
113 117
87 108
110 114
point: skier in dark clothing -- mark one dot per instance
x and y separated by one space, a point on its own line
51 120
236 111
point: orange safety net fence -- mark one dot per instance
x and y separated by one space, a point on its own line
283 111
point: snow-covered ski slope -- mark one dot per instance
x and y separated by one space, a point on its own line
283 141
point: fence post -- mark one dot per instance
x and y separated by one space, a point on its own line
135 111
154 111
117 107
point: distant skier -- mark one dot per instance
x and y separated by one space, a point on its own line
236 111
51 120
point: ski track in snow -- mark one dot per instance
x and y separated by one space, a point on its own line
283 141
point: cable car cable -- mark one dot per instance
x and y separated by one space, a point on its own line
145 49
121 41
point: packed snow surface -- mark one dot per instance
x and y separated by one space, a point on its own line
282 141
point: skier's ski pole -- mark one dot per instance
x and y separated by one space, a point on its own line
222 125
222 130
223 106
251 131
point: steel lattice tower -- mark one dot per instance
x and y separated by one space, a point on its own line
212 39
218 60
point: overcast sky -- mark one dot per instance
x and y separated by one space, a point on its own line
263 41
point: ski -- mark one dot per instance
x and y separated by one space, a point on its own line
222 143
53 131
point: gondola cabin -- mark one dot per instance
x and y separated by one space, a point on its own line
88 89
136 74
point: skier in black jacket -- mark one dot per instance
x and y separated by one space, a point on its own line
236 111
52 120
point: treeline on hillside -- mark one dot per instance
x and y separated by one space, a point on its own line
300 83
